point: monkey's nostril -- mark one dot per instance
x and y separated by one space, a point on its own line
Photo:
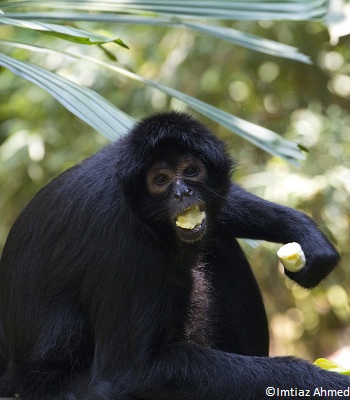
178 195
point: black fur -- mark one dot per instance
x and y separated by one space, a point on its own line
100 300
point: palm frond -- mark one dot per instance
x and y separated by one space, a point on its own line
222 9
259 136
63 32
86 104
230 35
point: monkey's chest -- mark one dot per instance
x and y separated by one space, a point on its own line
197 321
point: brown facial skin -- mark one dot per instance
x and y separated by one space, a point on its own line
178 182
162 175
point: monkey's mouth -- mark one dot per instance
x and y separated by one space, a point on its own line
191 222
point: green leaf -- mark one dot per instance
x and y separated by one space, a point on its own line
84 103
249 41
213 9
259 136
63 32
303 148
230 35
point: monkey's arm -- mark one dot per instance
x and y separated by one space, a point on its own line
248 216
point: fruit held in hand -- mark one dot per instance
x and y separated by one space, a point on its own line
292 257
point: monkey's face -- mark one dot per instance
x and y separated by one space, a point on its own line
178 184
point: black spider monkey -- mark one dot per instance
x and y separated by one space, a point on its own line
122 278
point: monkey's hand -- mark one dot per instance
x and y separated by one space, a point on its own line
292 257
319 260
248 216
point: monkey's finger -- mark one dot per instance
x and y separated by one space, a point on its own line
292 257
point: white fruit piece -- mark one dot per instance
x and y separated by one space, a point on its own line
190 218
292 257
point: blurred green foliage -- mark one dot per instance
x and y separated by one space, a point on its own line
306 103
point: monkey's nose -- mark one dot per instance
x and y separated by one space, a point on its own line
181 191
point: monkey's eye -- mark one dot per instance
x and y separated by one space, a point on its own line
191 171
160 179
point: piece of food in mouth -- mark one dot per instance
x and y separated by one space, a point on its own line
292 257
190 218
